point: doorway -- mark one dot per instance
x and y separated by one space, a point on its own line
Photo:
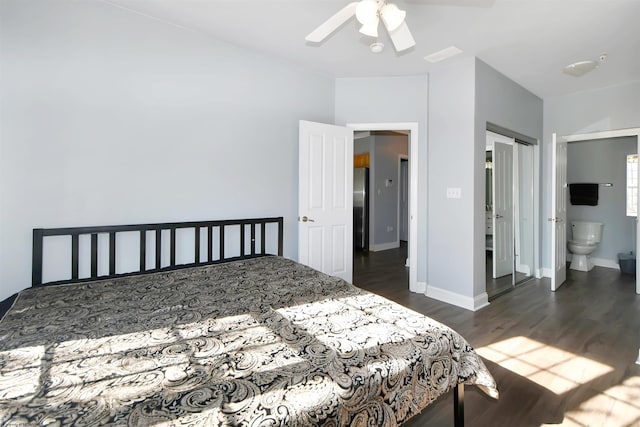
559 200
391 180
380 198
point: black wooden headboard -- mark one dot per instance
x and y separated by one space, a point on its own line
112 231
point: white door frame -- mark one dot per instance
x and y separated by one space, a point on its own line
401 157
617 133
412 127
558 217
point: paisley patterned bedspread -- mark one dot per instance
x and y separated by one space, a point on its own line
264 341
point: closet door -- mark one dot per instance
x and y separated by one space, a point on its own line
502 209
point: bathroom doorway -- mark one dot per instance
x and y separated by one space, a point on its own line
510 214
558 186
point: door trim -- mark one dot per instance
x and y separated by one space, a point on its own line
412 127
616 133
401 157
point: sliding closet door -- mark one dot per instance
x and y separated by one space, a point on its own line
502 209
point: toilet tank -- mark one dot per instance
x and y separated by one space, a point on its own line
587 231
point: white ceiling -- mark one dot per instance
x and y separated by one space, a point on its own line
530 41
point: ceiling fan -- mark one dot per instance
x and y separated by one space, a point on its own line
369 13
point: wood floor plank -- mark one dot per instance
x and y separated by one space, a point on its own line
562 358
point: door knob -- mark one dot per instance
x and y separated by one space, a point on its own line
305 219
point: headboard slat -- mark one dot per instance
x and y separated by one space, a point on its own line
172 246
253 239
94 255
158 248
112 253
210 237
143 250
75 262
242 251
196 249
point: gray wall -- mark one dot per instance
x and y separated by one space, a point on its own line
110 117
501 101
465 94
603 161
612 108
362 145
391 99
451 164
385 199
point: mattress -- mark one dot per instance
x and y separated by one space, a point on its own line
264 341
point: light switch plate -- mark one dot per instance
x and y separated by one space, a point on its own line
454 193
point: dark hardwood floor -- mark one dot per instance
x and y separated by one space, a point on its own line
559 358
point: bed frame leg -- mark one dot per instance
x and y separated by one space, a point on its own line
458 406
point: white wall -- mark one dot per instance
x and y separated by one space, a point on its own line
387 148
109 117
612 108
391 99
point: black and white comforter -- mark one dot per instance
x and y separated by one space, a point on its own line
265 341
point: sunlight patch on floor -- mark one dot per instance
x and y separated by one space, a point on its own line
557 370
618 406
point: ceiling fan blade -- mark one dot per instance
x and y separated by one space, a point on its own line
332 24
402 38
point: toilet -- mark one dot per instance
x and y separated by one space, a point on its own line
586 236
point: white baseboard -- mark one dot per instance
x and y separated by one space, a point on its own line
384 246
473 304
421 288
600 262
546 272
539 273
608 263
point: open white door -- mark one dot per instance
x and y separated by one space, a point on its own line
325 199
502 184
558 211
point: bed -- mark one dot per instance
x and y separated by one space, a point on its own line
229 339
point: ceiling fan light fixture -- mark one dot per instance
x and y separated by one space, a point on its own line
367 11
371 28
392 16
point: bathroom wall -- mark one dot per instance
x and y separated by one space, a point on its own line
603 161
